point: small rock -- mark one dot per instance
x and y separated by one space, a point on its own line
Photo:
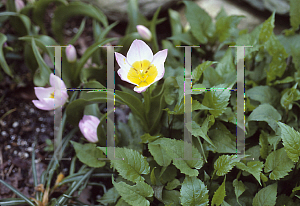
15 124
4 134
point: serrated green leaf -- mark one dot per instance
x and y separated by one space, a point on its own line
111 196
224 164
211 78
266 196
89 154
202 26
267 113
291 141
175 150
132 166
279 164
217 100
253 167
197 72
263 94
171 198
170 90
193 192
267 29
289 97
219 195
152 177
136 194
264 145
239 188
226 27
147 138
159 154
294 14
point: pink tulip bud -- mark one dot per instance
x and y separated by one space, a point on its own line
52 97
144 32
71 53
88 127
19 5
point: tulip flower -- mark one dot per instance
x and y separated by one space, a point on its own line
88 127
144 32
71 53
47 99
19 5
140 67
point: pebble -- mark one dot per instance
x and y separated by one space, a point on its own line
15 152
43 130
3 123
41 118
7 147
31 110
15 124
75 30
29 149
37 129
4 134
13 137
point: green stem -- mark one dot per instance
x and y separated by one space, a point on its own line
147 101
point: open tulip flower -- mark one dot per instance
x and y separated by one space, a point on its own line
140 67
47 99
88 127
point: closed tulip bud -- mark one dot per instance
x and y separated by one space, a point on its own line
71 53
88 127
19 5
144 32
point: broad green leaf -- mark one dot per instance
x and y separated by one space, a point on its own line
197 72
263 94
136 194
202 26
264 145
152 177
64 12
173 184
3 63
193 192
211 78
291 141
253 167
267 113
26 23
171 198
159 154
279 164
285 200
239 188
294 14
132 166
284 81
224 164
219 195
226 27
266 196
175 150
175 27
267 29
170 90
88 154
110 197
217 100
147 138
289 97
278 53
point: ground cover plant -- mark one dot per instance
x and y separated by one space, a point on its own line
147 166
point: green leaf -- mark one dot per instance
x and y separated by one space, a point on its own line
3 63
64 12
173 184
253 167
152 177
217 100
267 29
39 11
279 164
264 145
226 27
267 113
239 188
197 72
26 23
294 14
224 164
159 154
202 26
147 138
291 141
193 192
289 97
278 53
132 166
171 198
88 154
111 196
263 94
219 195
175 150
175 27
136 194
266 196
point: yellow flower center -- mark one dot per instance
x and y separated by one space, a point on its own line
142 73
52 95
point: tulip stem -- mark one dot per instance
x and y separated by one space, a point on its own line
147 103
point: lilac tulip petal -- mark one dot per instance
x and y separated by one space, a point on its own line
42 92
41 105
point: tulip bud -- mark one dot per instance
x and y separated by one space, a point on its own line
71 53
19 5
144 32
88 127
